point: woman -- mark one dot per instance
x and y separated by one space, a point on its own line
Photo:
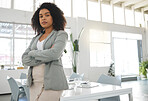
46 77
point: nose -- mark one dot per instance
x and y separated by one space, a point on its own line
43 17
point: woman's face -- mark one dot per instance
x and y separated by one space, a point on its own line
45 18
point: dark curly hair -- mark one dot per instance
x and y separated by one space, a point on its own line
59 21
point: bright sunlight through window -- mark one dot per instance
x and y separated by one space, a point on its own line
100 51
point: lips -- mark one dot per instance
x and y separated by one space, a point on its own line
44 22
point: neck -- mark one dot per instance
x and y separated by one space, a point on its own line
48 30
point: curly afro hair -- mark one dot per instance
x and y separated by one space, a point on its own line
59 21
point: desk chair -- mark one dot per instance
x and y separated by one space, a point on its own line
26 89
105 79
75 75
23 76
15 91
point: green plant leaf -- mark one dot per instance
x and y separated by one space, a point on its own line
142 68
76 45
65 51
80 33
73 44
71 37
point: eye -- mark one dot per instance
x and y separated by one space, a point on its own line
47 15
40 16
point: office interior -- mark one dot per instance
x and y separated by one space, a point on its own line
109 31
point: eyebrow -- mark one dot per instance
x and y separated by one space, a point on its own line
45 13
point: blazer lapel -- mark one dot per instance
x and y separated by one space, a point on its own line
53 31
36 40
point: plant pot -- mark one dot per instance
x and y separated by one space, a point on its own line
143 77
138 78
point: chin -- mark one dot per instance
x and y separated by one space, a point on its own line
43 26
46 27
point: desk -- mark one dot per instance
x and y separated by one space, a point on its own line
92 93
99 92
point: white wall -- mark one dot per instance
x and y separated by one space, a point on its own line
17 16
145 43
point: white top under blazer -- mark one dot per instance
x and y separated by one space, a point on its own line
40 45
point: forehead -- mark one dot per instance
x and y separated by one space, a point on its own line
43 11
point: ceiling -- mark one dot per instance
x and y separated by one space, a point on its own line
141 5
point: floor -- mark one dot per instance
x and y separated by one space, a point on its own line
140 91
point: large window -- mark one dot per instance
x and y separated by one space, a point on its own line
146 20
20 46
66 9
79 8
118 15
100 50
26 5
107 15
93 11
6 43
129 16
6 30
139 19
146 17
67 57
6 52
15 38
39 2
22 37
126 57
5 3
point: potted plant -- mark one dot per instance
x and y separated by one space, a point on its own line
143 68
75 50
2 66
111 71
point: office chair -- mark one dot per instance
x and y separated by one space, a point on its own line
15 91
75 75
26 89
105 79
23 76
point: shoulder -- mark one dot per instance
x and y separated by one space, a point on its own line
61 35
61 32
38 35
35 37
32 40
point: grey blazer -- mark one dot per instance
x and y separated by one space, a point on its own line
53 46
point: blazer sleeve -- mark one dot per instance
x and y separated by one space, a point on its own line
55 52
28 60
